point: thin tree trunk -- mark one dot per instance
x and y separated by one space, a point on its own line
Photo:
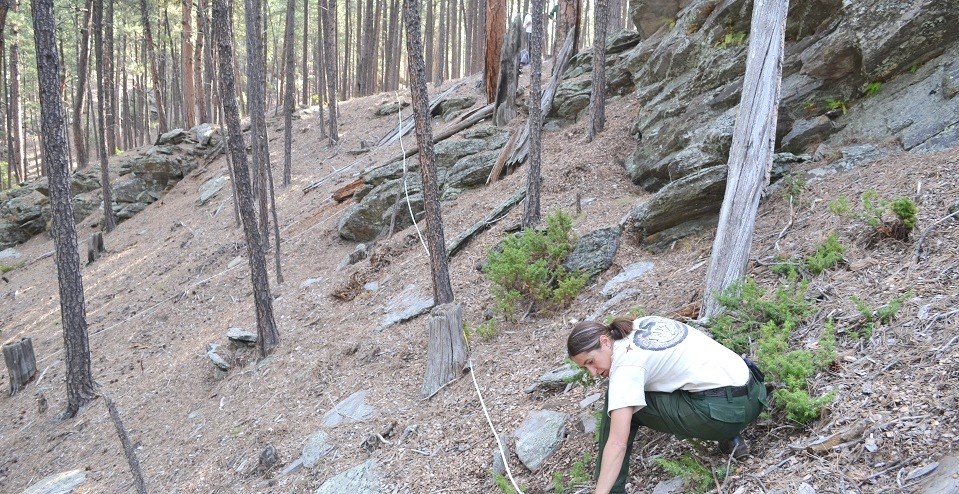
4 102
305 47
79 142
319 66
268 337
495 29
329 34
256 89
750 155
109 221
597 98
186 56
109 83
531 213
203 111
440 70
430 61
18 152
154 71
79 378
442 289
347 48
289 98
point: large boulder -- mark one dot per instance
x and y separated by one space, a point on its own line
595 251
650 16
689 198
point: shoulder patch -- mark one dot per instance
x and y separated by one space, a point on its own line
659 334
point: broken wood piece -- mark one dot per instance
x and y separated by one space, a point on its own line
497 170
345 192
21 363
95 247
482 225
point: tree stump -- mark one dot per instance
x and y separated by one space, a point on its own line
446 348
505 103
95 247
21 363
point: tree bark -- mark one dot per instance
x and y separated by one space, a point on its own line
531 213
750 155
203 110
439 71
567 19
446 355
305 49
79 142
80 385
256 95
442 289
268 337
329 35
319 66
109 221
508 76
597 98
109 80
154 71
289 97
495 29
186 55
18 150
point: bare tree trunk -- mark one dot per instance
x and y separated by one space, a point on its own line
597 98
154 72
289 102
79 103
305 47
268 337
431 42
348 45
495 29
203 111
750 155
531 213
109 221
256 89
109 83
80 385
329 35
18 152
186 56
440 70
4 102
567 18
319 65
442 289
128 450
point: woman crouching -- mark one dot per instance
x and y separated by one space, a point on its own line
669 377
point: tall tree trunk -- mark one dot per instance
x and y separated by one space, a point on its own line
431 42
256 89
319 66
597 98
186 55
109 221
455 35
495 29
347 46
440 70
305 47
4 103
203 112
80 385
750 155
329 34
442 289
154 71
126 127
79 142
268 336
531 213
18 152
174 89
567 18
289 102
109 83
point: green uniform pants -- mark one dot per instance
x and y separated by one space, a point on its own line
686 416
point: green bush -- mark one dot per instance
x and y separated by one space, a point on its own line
578 475
697 476
581 377
528 273
836 104
827 255
731 39
504 484
905 209
839 206
872 319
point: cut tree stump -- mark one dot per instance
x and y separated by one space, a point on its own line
95 247
446 348
21 363
345 192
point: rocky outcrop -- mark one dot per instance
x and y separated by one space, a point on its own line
144 177
460 164
869 70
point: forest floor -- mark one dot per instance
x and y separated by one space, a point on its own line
165 289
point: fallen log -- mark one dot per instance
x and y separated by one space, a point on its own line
484 224
345 192
406 125
501 160
448 132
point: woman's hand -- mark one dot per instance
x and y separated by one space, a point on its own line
615 450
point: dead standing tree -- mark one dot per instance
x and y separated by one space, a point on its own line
750 156
446 347
268 337
505 107
495 28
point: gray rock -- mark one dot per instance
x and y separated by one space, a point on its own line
944 479
361 479
409 304
364 221
571 99
539 436
352 409
555 379
589 400
471 171
211 188
602 310
807 134
268 460
663 240
587 423
60 483
452 106
204 133
317 446
359 253
690 198
632 272
128 190
127 211
310 282
390 108
595 251
10 257
175 136
236 261
671 486
241 336
450 151
650 16
805 488
220 365
499 465
954 207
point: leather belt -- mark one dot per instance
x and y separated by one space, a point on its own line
733 391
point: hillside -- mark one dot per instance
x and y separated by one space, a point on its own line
166 288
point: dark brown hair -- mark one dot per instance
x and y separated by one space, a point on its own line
585 334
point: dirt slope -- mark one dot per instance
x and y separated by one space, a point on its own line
164 290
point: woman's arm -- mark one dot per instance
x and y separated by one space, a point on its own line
615 450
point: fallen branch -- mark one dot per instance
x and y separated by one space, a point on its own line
128 449
406 125
507 150
448 132
482 225
922 238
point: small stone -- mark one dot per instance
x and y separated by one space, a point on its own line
217 360
268 460
867 389
239 335
539 436
671 486
870 444
805 488
587 423
499 466
589 400
310 282
371 286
